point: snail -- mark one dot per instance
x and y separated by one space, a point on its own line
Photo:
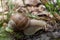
29 26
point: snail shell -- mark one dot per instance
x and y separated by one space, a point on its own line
20 21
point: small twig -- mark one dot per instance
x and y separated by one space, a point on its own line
2 13
26 7
10 11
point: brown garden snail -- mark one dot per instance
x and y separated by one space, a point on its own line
29 26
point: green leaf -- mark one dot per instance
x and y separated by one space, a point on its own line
9 29
32 16
5 35
52 8
58 1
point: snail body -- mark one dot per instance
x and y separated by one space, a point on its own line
35 25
